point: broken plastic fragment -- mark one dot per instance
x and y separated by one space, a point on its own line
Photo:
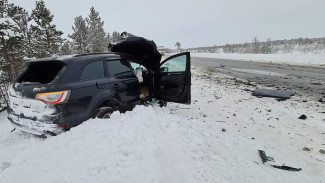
283 167
262 155
283 94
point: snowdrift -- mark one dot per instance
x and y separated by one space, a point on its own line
146 145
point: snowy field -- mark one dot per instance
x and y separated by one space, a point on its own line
215 139
292 58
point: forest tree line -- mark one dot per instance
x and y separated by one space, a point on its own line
302 45
31 35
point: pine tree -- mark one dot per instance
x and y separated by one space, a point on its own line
46 38
12 47
96 33
256 46
66 48
266 47
178 45
80 35
107 41
108 37
22 18
115 37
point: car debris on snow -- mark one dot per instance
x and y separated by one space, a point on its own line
322 100
315 83
322 151
303 117
264 157
283 167
281 94
306 149
268 158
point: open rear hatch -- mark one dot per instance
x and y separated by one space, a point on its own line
139 47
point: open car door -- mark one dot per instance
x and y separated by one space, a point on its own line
174 79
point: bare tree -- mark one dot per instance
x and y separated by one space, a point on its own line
178 45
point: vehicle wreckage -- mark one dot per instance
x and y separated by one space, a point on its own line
55 94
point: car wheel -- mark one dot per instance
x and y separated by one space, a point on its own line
104 112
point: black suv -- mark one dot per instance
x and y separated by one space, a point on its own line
54 94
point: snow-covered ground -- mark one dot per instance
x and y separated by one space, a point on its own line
179 143
291 58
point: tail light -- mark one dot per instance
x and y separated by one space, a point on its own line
53 97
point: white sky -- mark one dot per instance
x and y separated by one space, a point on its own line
196 23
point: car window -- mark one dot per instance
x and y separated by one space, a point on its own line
93 70
136 65
118 68
177 64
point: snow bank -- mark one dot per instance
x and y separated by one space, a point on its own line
139 146
293 58
179 143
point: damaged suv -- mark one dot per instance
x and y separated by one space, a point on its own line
54 94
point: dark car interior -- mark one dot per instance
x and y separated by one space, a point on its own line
143 75
41 72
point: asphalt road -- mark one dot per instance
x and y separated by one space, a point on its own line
306 81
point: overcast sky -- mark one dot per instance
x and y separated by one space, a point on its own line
196 22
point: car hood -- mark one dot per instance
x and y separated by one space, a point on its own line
145 50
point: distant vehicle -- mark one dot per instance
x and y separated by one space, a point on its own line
54 94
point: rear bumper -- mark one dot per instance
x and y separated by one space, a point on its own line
36 117
34 127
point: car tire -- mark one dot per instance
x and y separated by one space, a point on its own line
104 112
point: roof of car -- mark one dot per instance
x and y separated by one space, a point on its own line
69 58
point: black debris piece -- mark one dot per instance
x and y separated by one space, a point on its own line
283 167
281 94
322 151
322 100
303 117
267 158
224 130
306 149
315 83
263 156
281 99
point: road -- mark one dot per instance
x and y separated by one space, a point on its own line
306 81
